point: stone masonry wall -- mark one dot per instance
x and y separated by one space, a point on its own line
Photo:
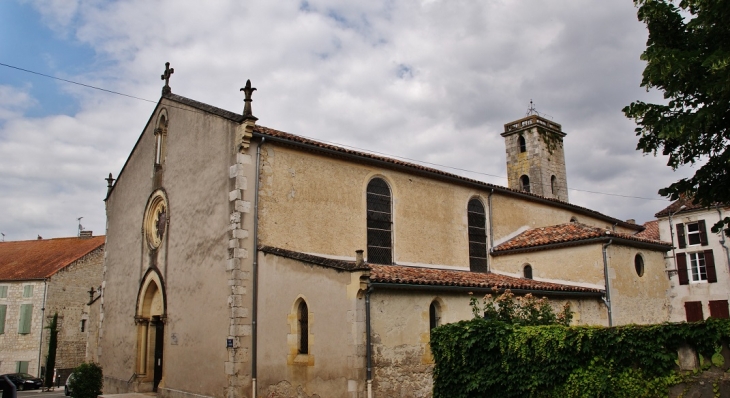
13 345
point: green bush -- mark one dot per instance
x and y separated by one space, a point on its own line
87 381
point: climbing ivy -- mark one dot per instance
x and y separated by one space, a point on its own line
509 358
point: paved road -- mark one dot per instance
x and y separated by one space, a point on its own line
57 393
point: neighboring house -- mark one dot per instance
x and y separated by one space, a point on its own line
279 266
699 265
39 278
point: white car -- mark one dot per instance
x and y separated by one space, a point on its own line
66 389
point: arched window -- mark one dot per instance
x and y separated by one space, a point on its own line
525 183
477 236
160 133
303 320
523 144
573 219
553 185
639 264
434 315
380 222
527 271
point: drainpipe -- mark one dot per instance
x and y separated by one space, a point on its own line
491 235
607 299
722 236
368 343
43 318
671 233
255 289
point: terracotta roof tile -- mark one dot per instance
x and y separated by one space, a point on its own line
570 233
39 259
685 201
651 231
399 274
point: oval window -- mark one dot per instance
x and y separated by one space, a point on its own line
639 265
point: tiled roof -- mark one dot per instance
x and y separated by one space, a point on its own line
675 207
40 259
265 131
651 230
399 274
568 235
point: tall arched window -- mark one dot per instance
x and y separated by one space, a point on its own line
477 236
434 315
527 271
523 144
380 222
303 319
525 183
160 135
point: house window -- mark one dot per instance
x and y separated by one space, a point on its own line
692 234
697 266
639 264
26 317
693 311
28 291
303 320
553 185
3 310
3 291
434 315
527 271
523 144
525 183
21 366
379 222
477 236
719 309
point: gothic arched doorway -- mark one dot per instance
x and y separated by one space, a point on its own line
150 319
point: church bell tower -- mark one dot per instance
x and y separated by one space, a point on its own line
535 157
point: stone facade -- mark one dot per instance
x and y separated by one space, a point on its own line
14 346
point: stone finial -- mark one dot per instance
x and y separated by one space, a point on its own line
166 77
109 184
247 113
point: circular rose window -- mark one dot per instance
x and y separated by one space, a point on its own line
155 219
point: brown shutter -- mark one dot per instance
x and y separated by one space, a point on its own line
693 310
719 309
710 266
703 232
680 236
681 262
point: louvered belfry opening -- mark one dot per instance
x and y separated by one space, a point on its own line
380 223
477 236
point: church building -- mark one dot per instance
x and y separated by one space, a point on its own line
244 261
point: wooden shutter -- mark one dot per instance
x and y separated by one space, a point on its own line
710 266
680 236
703 232
26 317
681 262
693 310
3 309
719 309
3 291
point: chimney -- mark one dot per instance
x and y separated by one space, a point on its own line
40 237
631 221
85 234
358 258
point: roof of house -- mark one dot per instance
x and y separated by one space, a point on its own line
280 136
676 207
572 234
42 258
651 230
408 275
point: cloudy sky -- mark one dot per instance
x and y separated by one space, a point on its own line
426 80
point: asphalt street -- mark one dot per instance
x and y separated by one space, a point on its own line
57 393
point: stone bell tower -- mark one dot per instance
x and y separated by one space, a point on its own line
535 157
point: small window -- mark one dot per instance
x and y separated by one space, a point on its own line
26 317
693 234
83 325
525 183
3 311
3 291
527 271
698 267
434 315
553 185
303 319
28 291
160 141
693 311
719 309
573 219
379 222
477 220
21 366
523 144
639 264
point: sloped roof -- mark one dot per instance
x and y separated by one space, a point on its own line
675 207
651 230
407 275
40 259
572 234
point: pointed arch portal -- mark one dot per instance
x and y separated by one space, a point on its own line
150 318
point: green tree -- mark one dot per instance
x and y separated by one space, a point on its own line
688 58
87 381
51 358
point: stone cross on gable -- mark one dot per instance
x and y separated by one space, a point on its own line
166 77
248 90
